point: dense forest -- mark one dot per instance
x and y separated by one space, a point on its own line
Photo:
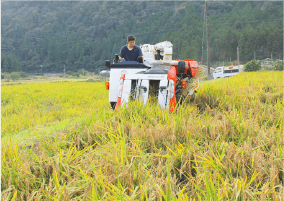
45 36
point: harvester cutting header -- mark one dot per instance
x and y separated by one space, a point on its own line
156 74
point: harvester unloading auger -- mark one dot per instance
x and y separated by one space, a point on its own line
170 81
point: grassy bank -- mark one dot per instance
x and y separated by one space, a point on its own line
45 79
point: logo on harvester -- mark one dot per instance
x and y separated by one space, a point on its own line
231 67
157 76
123 72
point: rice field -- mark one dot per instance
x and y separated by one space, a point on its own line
61 141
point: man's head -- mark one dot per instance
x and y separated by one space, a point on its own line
131 40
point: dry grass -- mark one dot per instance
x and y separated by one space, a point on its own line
227 145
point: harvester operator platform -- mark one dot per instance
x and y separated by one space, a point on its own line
130 52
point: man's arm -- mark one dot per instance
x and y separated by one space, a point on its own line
120 55
140 53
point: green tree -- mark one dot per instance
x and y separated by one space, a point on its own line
252 66
15 75
76 75
278 65
24 75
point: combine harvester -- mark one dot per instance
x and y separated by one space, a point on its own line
157 75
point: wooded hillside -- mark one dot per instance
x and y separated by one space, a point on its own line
85 34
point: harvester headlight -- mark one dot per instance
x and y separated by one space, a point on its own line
183 83
172 88
107 85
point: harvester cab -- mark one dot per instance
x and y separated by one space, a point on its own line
156 75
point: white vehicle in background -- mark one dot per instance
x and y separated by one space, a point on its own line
225 71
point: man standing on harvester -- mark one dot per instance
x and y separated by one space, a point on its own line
130 52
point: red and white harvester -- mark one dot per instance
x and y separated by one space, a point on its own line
156 74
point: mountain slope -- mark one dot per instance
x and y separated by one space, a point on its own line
84 34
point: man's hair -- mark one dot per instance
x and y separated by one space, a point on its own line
130 37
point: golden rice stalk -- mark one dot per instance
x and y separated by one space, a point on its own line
199 76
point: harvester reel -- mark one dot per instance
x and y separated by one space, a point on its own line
183 95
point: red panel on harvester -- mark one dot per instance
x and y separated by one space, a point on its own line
193 66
